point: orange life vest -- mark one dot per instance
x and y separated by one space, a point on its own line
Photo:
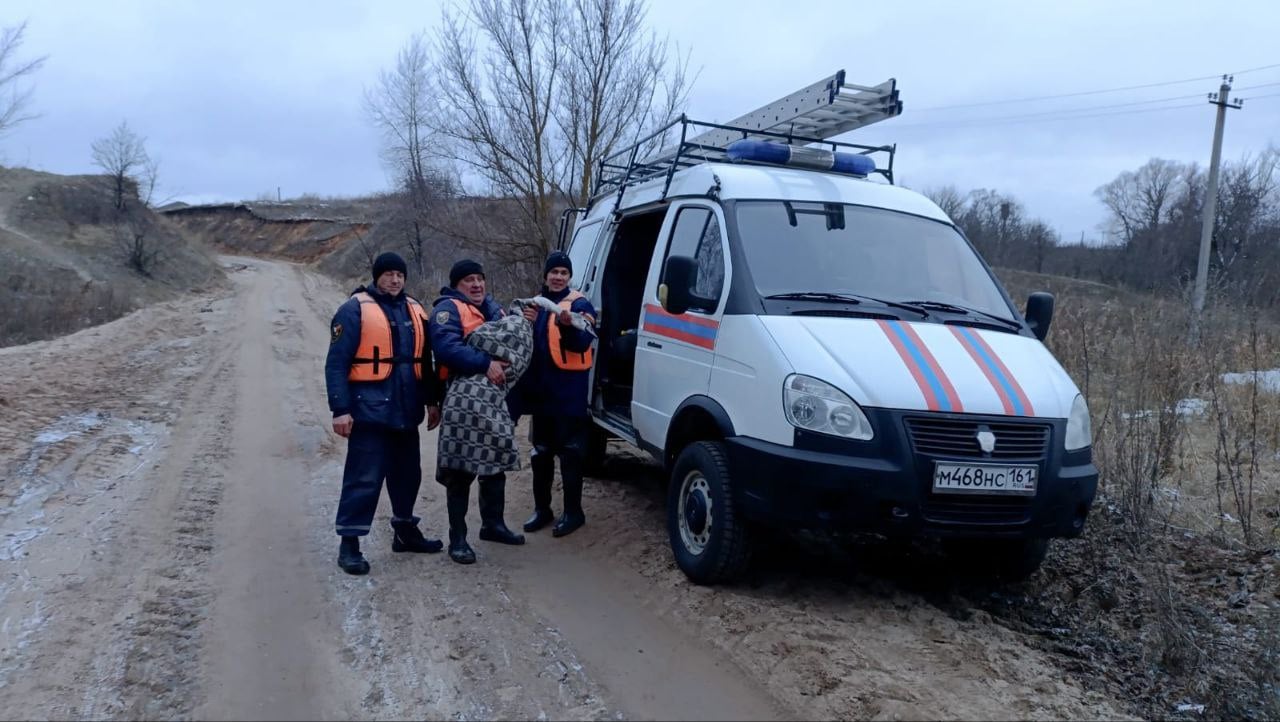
471 320
563 358
376 356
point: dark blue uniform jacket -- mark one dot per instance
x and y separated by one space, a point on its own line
400 400
546 388
447 343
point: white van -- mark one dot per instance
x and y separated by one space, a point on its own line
815 349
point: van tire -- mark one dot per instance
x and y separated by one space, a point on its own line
709 539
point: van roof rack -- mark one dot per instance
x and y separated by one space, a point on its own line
808 116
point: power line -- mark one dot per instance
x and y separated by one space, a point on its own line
1039 117
1087 108
1251 70
1088 92
1264 85
1073 112
1063 95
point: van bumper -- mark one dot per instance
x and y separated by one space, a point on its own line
891 494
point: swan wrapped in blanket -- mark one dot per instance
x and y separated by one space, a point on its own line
477 433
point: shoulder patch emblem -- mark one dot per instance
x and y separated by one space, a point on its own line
337 333
442 317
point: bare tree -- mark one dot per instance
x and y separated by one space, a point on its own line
498 66
949 199
148 178
1247 194
399 106
1039 239
133 230
1139 200
14 99
994 222
619 84
123 155
133 174
539 90
365 250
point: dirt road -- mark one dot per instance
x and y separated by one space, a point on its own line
166 551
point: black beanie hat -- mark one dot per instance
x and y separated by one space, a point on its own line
388 262
462 269
557 259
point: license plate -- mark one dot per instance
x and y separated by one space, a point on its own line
985 479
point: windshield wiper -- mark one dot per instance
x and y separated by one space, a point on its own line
815 296
964 310
854 298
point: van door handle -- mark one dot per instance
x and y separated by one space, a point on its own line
653 344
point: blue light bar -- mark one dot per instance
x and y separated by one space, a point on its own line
763 151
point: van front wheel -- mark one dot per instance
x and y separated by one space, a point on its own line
709 540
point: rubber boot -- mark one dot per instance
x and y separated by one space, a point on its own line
492 503
408 538
349 557
544 470
456 498
573 517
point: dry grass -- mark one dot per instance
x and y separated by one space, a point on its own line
1182 553
32 314
65 261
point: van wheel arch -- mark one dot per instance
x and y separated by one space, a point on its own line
699 418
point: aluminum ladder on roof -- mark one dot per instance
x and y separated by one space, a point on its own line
822 110
813 114
818 111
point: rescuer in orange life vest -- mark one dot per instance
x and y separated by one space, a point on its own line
461 309
554 391
381 385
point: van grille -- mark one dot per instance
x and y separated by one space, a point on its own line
958 438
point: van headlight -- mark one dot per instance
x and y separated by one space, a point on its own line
1079 430
818 406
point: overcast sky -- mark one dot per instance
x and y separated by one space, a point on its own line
238 99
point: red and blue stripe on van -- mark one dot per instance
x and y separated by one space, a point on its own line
1012 397
939 393
689 329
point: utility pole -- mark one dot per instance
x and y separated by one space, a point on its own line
1223 101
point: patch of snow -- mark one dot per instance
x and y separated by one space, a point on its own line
1192 407
31 492
13 544
68 426
1268 380
31 625
52 437
1197 708
1185 407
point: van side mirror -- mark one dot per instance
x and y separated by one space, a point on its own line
1039 313
678 279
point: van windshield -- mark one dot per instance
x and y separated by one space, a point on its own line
795 247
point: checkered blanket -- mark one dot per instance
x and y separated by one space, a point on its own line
477 434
